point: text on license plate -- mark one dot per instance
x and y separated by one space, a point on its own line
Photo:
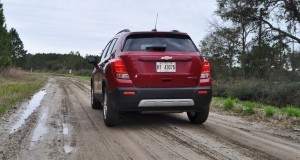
165 66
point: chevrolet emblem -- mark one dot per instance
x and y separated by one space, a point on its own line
166 57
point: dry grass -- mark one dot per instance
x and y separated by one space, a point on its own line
16 85
12 74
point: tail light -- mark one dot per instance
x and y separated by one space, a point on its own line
205 73
120 69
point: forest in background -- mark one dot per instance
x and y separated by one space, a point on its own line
59 63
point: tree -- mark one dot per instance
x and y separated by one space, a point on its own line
222 48
263 58
295 60
18 54
272 25
278 16
5 43
235 11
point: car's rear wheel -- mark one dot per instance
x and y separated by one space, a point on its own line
198 117
110 116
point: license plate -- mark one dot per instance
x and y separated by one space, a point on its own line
165 66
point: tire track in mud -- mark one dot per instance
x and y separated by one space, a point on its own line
249 142
173 137
15 142
45 142
72 118
213 139
162 134
69 139
117 137
175 130
24 143
224 145
107 147
76 131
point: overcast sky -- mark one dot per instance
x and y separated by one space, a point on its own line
61 26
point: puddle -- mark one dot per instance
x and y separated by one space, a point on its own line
29 109
41 128
65 129
68 149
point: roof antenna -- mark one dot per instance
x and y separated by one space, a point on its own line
155 23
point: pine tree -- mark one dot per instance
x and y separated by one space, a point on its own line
5 43
18 54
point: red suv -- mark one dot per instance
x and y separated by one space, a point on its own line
151 72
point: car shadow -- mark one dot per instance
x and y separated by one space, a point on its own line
134 119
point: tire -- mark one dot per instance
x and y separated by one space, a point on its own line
94 103
198 117
110 116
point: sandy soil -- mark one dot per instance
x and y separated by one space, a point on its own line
62 125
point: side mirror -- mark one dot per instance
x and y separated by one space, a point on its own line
92 60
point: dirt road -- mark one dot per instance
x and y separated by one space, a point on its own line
59 123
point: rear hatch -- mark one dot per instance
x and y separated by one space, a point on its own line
162 60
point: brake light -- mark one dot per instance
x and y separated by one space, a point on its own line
120 69
205 73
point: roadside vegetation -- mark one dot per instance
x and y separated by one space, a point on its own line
252 58
267 92
287 117
85 78
17 85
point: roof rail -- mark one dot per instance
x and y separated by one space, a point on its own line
124 30
175 31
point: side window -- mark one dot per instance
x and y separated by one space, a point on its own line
112 46
105 52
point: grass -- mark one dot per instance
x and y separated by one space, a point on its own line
287 116
269 111
16 85
228 104
85 78
249 108
291 111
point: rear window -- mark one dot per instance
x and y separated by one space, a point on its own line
169 42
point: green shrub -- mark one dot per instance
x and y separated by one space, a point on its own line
269 111
291 111
271 93
249 108
220 91
228 104
248 90
285 94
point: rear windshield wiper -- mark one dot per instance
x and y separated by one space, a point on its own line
156 48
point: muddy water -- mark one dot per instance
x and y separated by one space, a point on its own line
32 105
41 129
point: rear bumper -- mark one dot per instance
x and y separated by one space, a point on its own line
161 99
